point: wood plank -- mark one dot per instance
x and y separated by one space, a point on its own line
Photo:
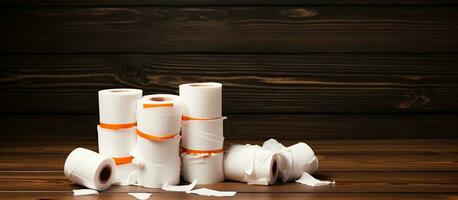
254 83
217 2
357 157
241 196
241 126
230 29
346 182
321 147
347 163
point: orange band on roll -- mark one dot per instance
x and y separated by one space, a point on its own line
185 118
151 137
123 160
157 105
117 126
191 151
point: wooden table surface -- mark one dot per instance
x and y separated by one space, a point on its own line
362 169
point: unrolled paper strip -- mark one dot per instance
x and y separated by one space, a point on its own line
251 164
309 180
203 134
293 160
205 168
89 169
210 192
140 196
160 115
118 106
202 100
82 192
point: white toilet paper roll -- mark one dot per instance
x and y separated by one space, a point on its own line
203 134
202 100
118 106
156 151
293 160
251 164
159 115
154 175
116 143
89 169
205 168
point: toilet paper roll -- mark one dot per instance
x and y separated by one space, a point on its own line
89 169
205 168
156 151
251 164
203 134
154 175
116 143
202 100
293 160
159 115
117 107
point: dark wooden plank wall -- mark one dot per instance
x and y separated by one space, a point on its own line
301 69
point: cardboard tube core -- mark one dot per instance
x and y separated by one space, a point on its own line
116 91
105 174
161 99
274 167
202 85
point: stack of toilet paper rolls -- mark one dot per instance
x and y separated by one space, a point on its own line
202 132
116 131
157 150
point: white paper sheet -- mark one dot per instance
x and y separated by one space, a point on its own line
81 192
179 188
210 192
309 180
141 196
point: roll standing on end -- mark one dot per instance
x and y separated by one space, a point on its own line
90 169
202 132
116 131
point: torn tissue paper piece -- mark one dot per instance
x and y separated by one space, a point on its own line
84 192
309 180
179 188
141 196
209 192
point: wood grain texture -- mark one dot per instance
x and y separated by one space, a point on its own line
270 29
346 182
253 83
220 2
343 163
242 196
24 179
339 156
261 127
